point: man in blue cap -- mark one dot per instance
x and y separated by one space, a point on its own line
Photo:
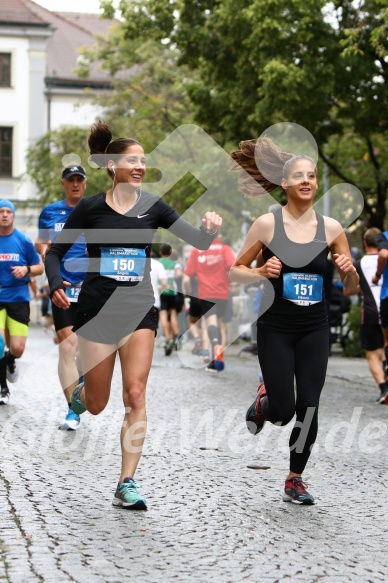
73 267
18 262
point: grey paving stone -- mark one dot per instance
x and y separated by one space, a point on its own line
210 518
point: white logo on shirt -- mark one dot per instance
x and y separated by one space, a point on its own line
9 257
141 216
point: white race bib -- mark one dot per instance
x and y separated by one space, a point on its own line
123 264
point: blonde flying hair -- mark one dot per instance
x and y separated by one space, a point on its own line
274 166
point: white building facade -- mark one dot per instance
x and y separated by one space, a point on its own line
39 89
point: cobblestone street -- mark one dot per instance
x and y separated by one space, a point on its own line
210 517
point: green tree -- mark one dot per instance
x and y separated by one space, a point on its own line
321 65
149 101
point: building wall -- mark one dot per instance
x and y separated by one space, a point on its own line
25 106
75 108
14 112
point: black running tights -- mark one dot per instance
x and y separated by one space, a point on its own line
284 359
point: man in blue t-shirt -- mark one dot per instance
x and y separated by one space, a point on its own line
18 262
73 268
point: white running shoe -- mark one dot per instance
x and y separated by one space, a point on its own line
4 396
71 422
12 373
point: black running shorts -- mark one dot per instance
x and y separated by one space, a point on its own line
64 318
371 336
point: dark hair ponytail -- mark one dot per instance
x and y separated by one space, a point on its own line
101 145
99 138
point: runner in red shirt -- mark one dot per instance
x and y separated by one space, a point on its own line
211 268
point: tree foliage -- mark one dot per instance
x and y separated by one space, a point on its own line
149 100
321 65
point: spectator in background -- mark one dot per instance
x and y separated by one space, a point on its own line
18 263
371 334
168 297
211 268
382 271
73 268
46 308
179 295
159 282
195 312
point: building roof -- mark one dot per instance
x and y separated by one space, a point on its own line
71 31
19 12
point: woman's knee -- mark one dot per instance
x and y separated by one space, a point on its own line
17 347
95 405
281 414
134 396
66 349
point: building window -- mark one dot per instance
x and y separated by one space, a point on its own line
6 151
5 69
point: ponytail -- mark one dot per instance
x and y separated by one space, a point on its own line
99 138
101 145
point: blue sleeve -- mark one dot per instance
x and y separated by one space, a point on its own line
43 225
73 228
381 242
31 254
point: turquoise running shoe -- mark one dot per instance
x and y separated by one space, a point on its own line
71 422
76 403
127 496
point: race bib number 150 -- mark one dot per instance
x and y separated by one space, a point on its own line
123 264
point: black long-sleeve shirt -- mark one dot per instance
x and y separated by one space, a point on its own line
118 246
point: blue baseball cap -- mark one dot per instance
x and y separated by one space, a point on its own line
8 204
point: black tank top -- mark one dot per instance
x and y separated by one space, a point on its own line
299 303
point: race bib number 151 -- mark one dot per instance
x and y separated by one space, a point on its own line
303 289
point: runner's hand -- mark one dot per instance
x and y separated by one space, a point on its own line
211 222
344 263
60 299
45 247
270 269
19 271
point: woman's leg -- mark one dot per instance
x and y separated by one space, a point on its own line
98 361
311 357
174 326
136 358
276 357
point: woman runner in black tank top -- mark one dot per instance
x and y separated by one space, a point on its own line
291 246
307 313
